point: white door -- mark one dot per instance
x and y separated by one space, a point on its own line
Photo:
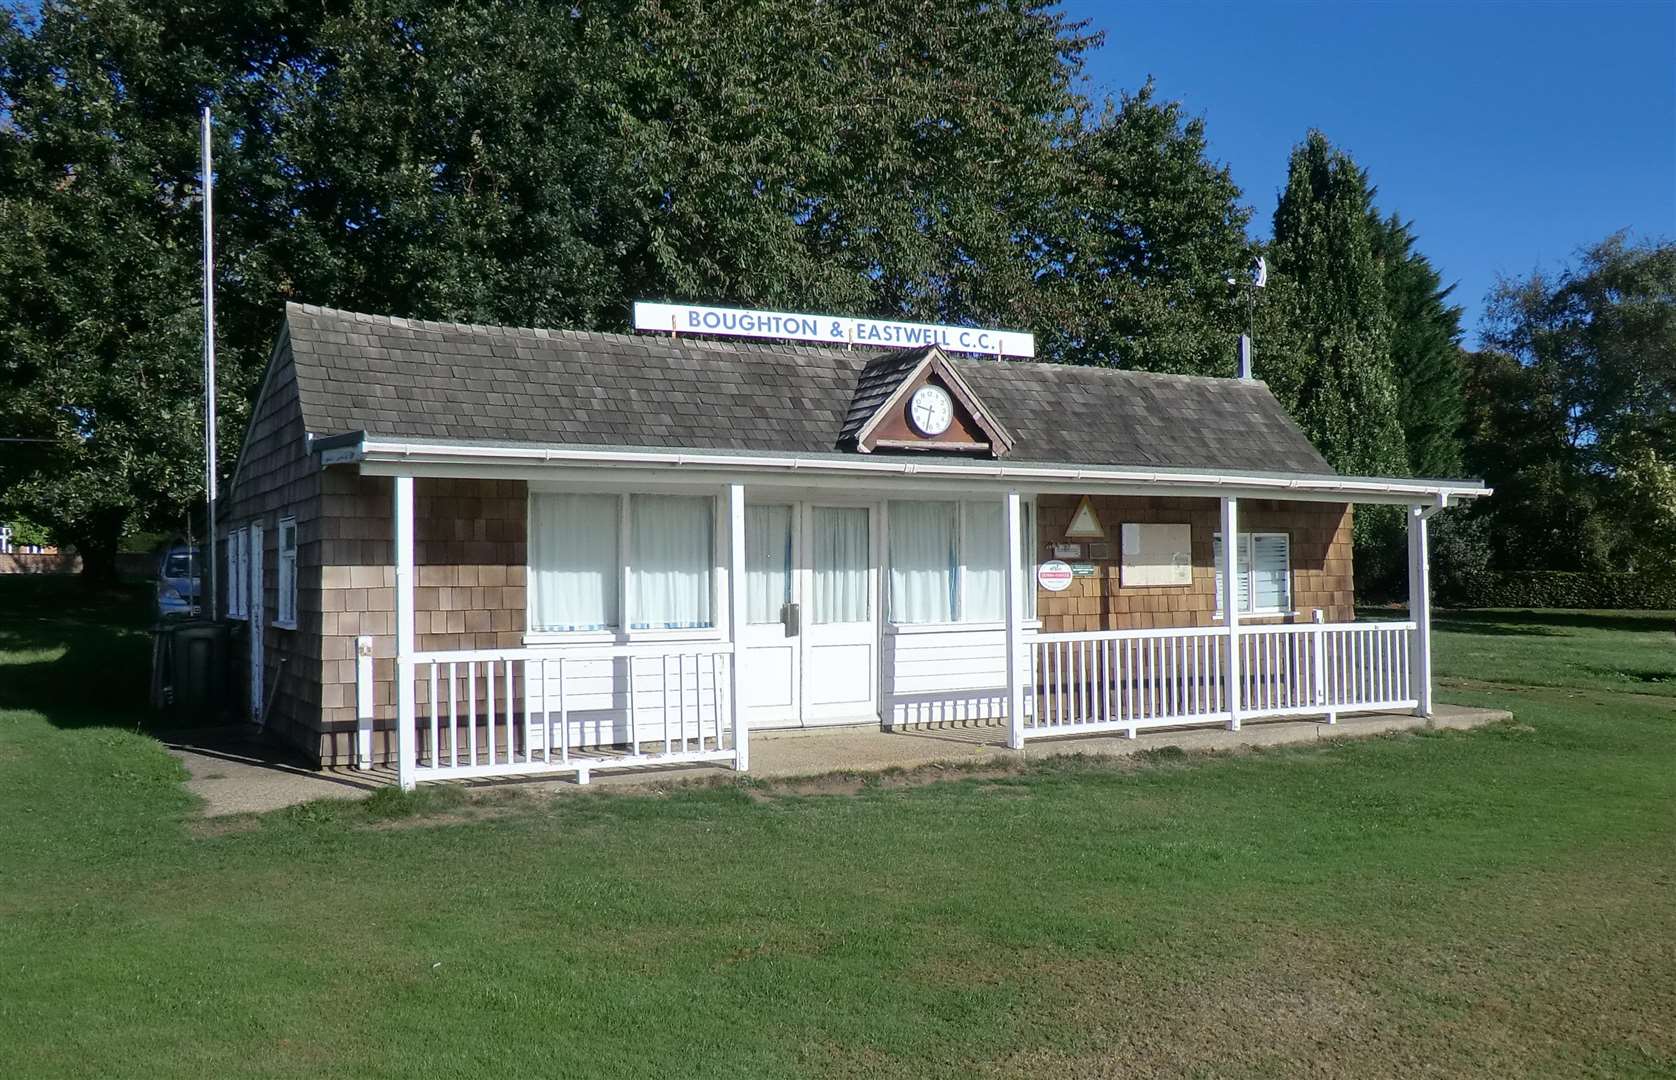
772 666
840 632
256 616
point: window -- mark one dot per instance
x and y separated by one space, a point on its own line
595 557
670 561
573 562
238 571
286 611
948 562
1271 555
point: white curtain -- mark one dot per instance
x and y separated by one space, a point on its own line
922 561
1271 571
767 562
841 555
573 561
983 547
670 561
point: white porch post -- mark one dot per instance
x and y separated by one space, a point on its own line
1231 607
736 622
1420 608
405 710
1013 521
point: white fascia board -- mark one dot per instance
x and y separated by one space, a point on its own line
390 458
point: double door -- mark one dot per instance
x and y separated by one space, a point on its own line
811 634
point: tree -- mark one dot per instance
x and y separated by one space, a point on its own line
1333 365
98 325
1146 232
1573 418
507 163
1324 245
1425 351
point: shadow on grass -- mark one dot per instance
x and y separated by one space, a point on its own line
80 656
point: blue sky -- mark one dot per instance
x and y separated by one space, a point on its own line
1511 133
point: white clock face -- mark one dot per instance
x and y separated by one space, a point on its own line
930 410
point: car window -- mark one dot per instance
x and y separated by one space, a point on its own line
179 565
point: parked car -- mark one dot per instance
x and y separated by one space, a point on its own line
178 577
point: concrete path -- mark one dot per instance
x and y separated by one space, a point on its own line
235 771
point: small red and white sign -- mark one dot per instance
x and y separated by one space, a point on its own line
1054 575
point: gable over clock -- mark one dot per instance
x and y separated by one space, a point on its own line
915 400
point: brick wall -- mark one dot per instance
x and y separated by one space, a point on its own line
1320 552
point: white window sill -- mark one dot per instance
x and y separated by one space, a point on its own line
278 625
618 637
1270 614
955 627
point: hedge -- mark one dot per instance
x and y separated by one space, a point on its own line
1561 589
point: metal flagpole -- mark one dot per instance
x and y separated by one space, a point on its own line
211 609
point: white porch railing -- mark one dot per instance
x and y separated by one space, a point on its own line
508 712
1126 680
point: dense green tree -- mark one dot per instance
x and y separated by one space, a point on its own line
99 341
1333 364
1325 247
1425 351
1136 259
513 162
1573 417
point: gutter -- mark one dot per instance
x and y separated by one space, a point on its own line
357 447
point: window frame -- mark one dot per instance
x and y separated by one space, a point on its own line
624 630
1027 549
285 566
238 571
1249 541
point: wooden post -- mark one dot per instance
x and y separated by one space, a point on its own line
1013 521
736 622
405 708
363 702
1231 606
1420 608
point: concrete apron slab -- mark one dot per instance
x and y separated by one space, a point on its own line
865 748
242 775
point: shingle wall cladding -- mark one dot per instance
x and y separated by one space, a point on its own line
1320 553
469 541
276 477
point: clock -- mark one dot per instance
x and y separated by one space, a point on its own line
930 411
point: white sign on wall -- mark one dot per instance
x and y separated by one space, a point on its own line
1157 555
829 329
1054 576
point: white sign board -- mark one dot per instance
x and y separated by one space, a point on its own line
829 329
1157 555
1054 576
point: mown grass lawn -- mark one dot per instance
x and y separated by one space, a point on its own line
1494 903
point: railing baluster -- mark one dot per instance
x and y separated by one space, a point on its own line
453 717
471 708
634 707
564 717
511 741
546 715
434 760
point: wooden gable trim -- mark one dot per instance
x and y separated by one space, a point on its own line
935 363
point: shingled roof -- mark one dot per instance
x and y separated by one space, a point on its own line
404 379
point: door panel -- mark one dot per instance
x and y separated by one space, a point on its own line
772 664
841 638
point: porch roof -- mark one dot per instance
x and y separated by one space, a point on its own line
404 380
